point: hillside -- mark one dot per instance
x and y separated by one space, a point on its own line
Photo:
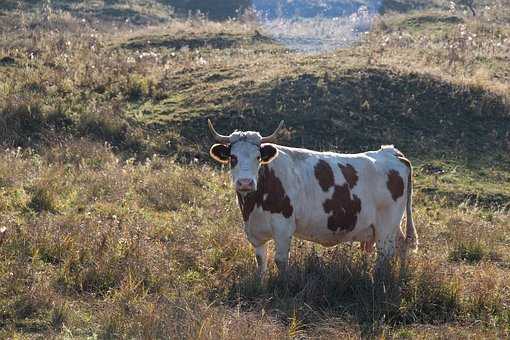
117 223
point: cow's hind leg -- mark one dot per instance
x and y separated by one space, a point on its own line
389 236
368 245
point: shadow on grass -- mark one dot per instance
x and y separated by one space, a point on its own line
341 285
217 41
349 111
361 109
492 201
431 19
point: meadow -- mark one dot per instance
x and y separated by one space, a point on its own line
115 223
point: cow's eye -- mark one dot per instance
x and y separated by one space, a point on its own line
258 158
233 160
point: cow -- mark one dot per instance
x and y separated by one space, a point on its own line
323 197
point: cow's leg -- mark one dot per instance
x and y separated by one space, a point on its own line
388 233
261 255
260 244
283 242
282 254
368 246
400 245
283 230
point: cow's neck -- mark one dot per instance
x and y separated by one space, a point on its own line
270 195
247 202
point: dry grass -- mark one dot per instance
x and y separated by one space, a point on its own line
456 47
119 256
106 236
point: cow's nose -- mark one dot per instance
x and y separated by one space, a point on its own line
245 184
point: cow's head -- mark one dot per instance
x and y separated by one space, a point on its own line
246 152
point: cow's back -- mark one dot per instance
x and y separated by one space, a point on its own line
335 197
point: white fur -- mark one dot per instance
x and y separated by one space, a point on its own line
246 147
295 169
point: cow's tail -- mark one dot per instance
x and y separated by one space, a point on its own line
411 234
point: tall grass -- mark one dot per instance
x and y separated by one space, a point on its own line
124 257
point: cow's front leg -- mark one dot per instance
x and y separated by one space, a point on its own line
261 256
260 245
283 237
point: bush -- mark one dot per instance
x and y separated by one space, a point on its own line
20 120
471 252
103 126
43 198
137 87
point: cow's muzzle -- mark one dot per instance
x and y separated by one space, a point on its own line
245 185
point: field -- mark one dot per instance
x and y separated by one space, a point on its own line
115 223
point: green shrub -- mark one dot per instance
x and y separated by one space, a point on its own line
470 252
59 315
137 87
103 126
43 198
20 119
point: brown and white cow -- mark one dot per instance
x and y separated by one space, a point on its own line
324 197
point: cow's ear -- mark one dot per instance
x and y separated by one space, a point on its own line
220 153
267 153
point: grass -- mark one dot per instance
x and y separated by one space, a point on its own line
118 226
113 261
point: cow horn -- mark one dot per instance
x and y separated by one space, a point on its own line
219 138
272 138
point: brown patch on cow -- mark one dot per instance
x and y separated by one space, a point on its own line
324 175
270 195
350 174
246 204
344 209
395 184
276 201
